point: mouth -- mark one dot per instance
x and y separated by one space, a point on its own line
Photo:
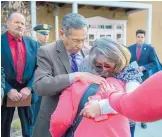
20 30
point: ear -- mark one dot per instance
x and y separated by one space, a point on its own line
62 32
8 23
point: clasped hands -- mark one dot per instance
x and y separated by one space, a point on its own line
14 95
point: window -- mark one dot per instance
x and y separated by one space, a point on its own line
108 26
91 36
119 27
101 26
109 36
118 36
92 26
102 35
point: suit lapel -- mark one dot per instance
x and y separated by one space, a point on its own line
143 51
62 54
83 55
27 48
5 44
134 50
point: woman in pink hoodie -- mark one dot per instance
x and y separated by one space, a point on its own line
107 58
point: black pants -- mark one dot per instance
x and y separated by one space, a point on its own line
26 118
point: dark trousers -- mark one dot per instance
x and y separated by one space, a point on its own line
26 118
132 129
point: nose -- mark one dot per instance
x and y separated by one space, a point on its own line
80 44
20 25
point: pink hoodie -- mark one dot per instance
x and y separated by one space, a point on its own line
65 113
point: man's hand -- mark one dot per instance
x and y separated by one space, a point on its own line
91 109
140 69
89 77
14 95
25 92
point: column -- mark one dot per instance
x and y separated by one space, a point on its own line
33 17
55 13
75 7
149 25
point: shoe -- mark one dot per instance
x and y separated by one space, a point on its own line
143 125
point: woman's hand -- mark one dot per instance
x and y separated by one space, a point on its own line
91 109
109 88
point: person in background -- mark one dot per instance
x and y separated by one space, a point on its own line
42 33
18 58
58 68
144 55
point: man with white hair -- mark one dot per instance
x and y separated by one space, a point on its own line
58 64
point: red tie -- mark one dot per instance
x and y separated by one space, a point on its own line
138 52
19 63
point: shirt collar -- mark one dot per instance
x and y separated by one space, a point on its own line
77 54
140 45
11 37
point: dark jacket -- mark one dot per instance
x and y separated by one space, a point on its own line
7 63
147 58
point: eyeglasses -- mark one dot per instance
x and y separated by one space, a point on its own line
102 67
76 41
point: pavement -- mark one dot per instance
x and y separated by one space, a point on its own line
153 130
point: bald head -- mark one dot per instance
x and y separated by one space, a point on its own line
15 14
16 24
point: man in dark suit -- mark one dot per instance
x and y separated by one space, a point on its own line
145 55
18 56
58 63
